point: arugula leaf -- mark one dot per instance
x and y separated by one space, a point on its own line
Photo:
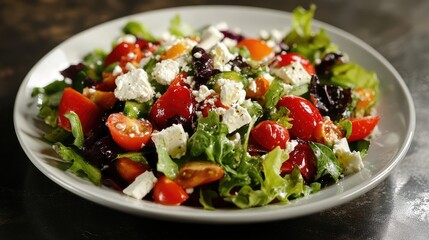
76 128
301 39
327 163
79 164
179 28
139 30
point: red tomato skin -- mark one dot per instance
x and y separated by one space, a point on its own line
126 138
176 101
285 59
89 113
305 116
270 134
362 127
120 54
129 169
168 192
304 158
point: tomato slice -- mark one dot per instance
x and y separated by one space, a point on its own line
196 173
362 127
303 157
258 49
129 133
129 169
269 134
89 113
326 132
304 114
176 102
104 99
285 59
168 192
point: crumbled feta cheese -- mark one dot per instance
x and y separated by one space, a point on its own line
129 66
166 71
210 37
222 26
236 117
117 70
134 85
197 55
221 56
202 93
231 92
293 74
290 145
128 38
141 186
350 161
264 34
277 36
175 139
229 43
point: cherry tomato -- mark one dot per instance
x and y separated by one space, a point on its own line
129 133
304 114
124 52
129 169
285 59
180 80
262 86
258 49
270 134
89 113
196 173
167 192
362 127
304 158
177 101
326 132
366 97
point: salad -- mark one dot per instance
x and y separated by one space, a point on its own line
213 118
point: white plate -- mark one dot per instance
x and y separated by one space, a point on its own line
396 108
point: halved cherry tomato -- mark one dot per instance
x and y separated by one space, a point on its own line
262 86
196 173
129 133
89 113
304 114
304 158
168 192
104 99
362 127
285 59
270 134
129 169
146 45
326 132
177 101
258 49
124 52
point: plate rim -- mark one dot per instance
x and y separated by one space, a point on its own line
241 215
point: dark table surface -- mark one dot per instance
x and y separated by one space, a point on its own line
34 207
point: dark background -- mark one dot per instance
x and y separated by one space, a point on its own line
34 207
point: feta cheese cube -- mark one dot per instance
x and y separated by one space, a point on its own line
175 139
236 117
141 186
221 56
350 161
202 93
231 92
210 37
293 74
134 85
166 71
